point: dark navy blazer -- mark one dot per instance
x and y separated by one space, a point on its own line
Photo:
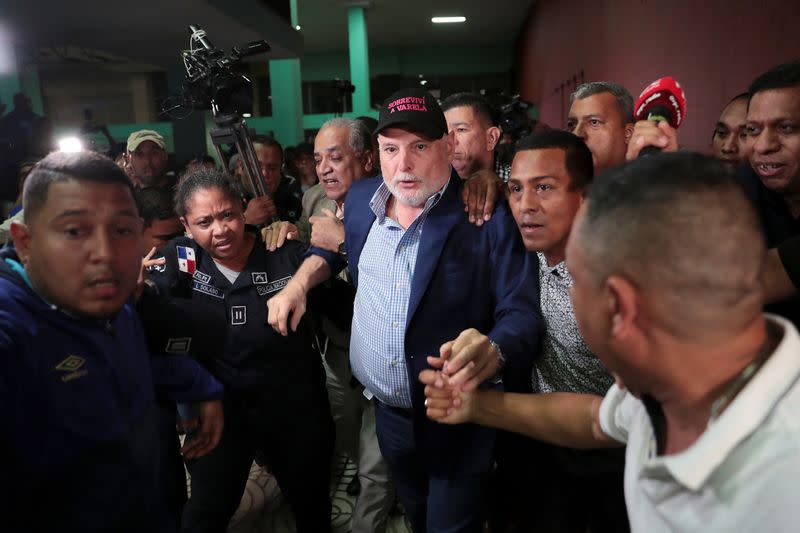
465 277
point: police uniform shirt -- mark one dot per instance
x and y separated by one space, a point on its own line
224 324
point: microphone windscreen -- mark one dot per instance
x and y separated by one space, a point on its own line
666 98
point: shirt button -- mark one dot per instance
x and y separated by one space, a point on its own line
396 285
395 325
397 393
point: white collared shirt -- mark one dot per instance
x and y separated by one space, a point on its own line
741 475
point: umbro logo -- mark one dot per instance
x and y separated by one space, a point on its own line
72 365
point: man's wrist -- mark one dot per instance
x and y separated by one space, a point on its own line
501 360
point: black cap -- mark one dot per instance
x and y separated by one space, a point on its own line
415 108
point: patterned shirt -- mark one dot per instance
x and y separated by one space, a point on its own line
385 271
503 171
566 364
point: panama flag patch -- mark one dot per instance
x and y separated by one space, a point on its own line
186 261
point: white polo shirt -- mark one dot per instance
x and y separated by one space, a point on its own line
741 475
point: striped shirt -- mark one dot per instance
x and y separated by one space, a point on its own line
385 272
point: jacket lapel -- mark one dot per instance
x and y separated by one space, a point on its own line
358 221
441 220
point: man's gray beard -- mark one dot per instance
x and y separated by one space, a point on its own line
416 199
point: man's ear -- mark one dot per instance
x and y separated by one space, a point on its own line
492 138
21 235
622 306
450 140
628 131
367 161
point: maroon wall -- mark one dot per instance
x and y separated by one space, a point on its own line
714 48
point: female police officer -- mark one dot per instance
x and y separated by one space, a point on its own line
275 400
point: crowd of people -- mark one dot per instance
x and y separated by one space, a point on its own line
592 339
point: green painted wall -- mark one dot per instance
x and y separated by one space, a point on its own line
287 100
359 58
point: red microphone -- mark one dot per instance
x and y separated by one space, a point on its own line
665 100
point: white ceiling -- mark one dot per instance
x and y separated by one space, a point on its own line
151 33
392 23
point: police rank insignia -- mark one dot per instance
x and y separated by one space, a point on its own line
238 315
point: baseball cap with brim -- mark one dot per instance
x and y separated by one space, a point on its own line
138 137
414 109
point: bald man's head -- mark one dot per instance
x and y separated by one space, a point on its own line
681 229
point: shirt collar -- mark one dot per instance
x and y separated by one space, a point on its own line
381 197
560 269
746 413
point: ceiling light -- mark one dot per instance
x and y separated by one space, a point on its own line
246 115
447 20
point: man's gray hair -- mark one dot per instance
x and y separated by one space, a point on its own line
621 94
360 138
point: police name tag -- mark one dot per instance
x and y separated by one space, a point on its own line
275 286
207 289
201 277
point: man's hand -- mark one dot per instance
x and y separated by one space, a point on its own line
327 231
480 194
211 422
650 133
260 210
442 402
278 233
147 262
469 360
290 302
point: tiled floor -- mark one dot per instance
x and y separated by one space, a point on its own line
263 510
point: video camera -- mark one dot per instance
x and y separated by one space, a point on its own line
514 118
212 81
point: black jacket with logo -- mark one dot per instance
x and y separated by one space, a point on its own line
199 312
